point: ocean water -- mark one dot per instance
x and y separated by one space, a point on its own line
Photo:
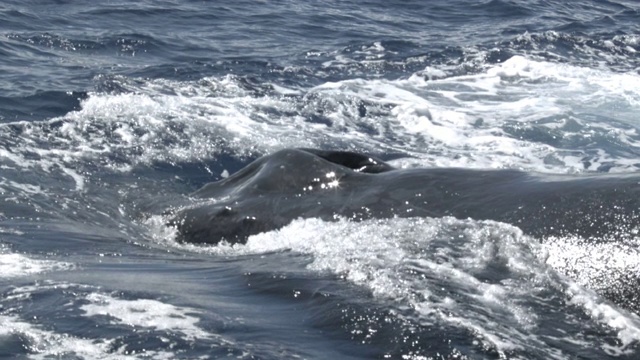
111 111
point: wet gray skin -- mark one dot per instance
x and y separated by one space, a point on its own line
303 183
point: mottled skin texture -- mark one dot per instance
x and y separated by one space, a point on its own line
302 183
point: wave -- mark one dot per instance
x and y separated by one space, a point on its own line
15 265
132 328
521 113
482 280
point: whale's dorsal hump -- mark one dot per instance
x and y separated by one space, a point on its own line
355 161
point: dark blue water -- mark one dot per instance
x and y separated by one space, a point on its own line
113 112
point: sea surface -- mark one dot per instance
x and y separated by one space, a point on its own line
112 110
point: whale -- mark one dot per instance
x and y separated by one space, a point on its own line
288 184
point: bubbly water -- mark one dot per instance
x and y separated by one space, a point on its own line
110 112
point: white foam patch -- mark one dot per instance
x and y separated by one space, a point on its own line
626 325
585 49
15 265
45 344
522 113
595 265
10 231
147 313
159 120
160 232
139 315
599 266
24 292
492 269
